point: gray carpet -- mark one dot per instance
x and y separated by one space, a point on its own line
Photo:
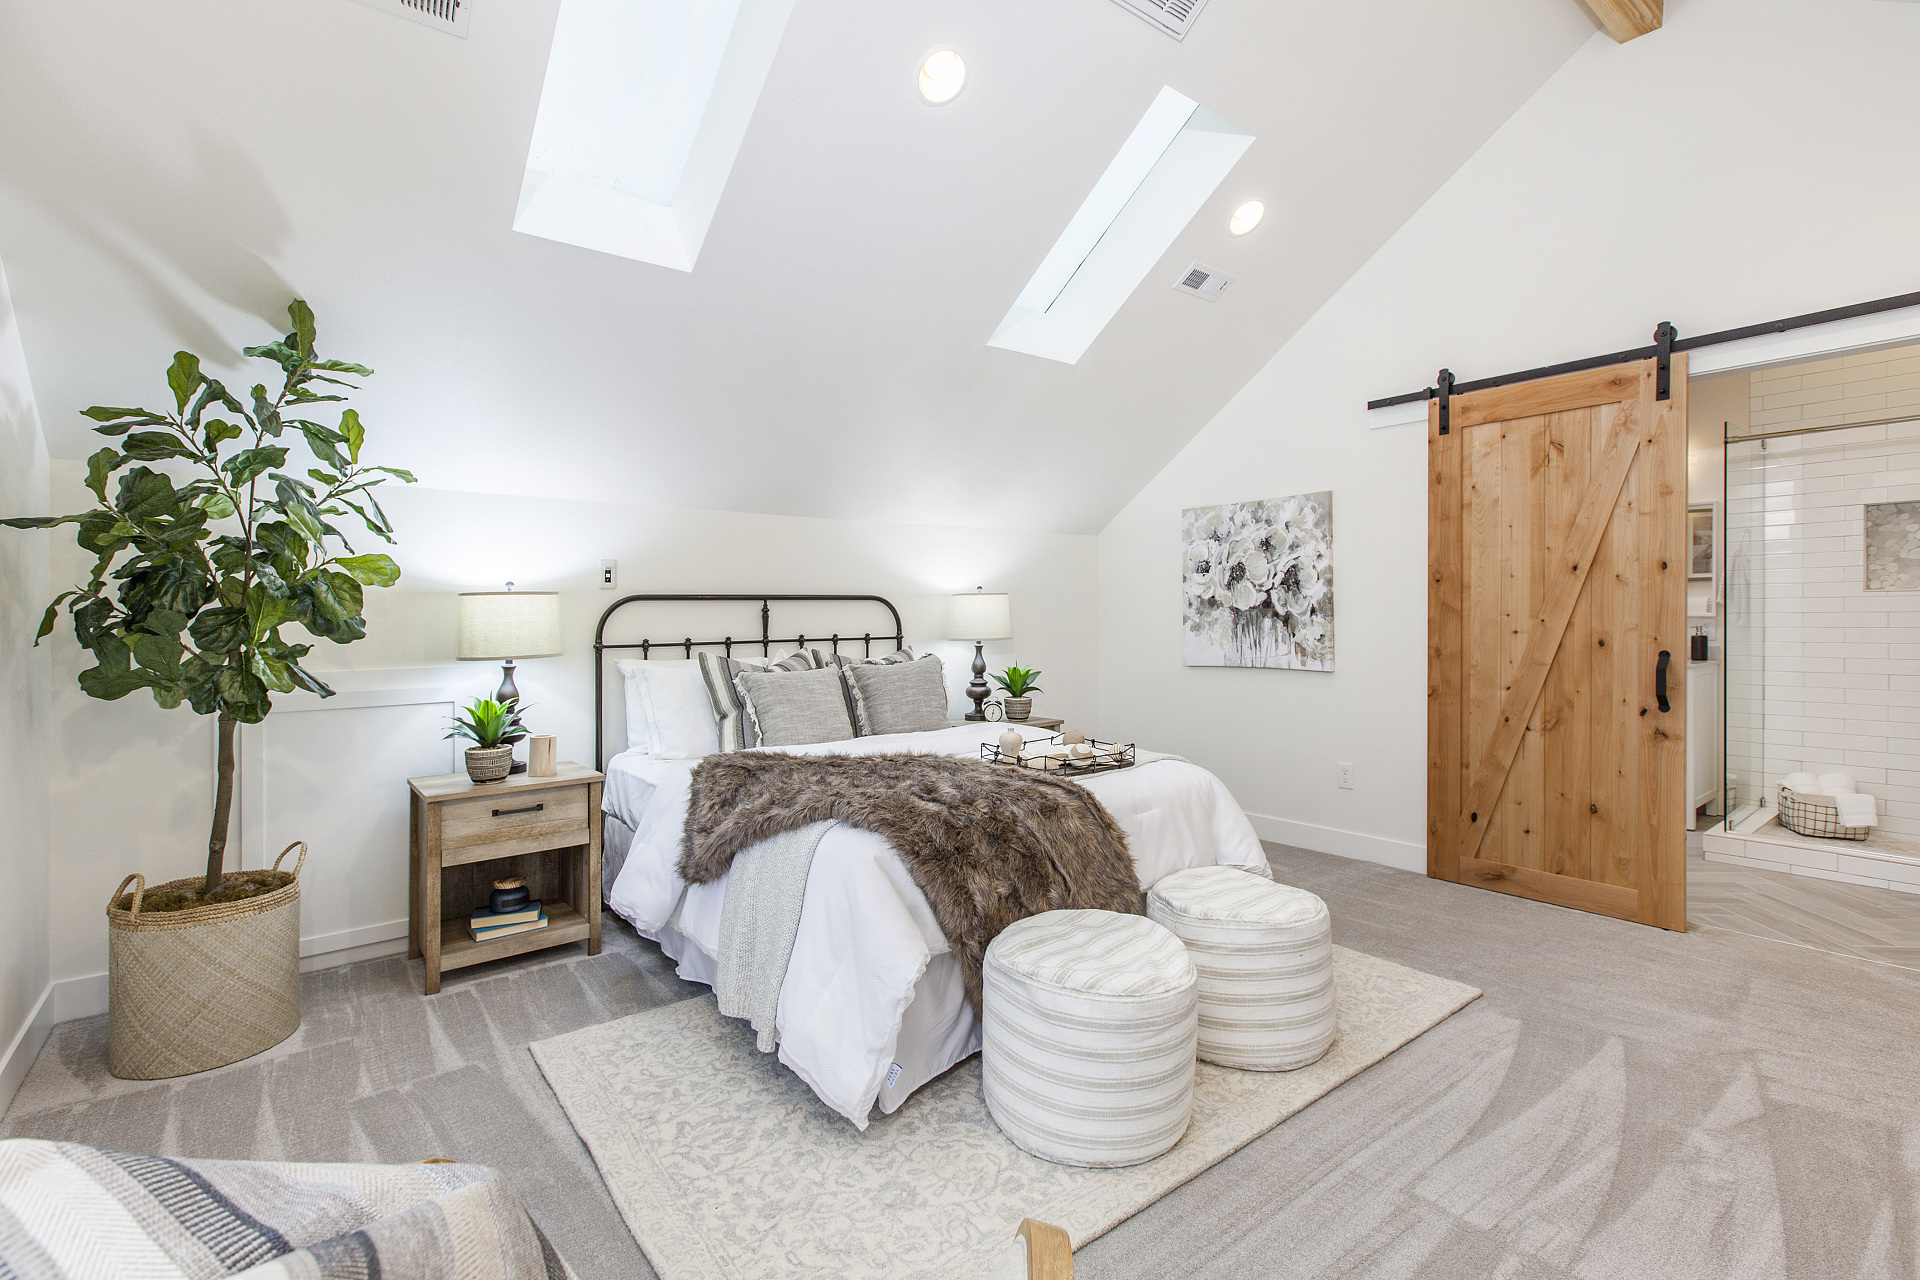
1622 1102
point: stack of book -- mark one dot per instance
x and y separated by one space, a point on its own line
485 924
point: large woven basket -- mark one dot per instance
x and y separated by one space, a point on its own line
193 990
1815 815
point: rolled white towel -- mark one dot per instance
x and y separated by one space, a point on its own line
1857 809
1837 784
1801 782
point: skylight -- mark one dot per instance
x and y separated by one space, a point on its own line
1167 168
641 115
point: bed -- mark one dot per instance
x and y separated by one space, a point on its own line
873 1005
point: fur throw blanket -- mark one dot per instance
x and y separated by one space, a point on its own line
987 845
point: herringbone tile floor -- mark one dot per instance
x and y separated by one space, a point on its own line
1846 919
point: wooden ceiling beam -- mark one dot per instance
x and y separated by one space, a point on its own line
1627 19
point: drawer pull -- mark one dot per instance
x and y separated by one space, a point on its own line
532 808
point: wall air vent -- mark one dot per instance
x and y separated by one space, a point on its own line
442 15
1203 282
1174 17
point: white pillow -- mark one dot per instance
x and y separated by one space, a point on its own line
668 712
639 737
679 713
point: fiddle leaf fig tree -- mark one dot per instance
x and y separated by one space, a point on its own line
201 564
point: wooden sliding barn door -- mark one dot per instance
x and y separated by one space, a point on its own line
1556 726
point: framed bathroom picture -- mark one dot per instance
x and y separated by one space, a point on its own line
1703 541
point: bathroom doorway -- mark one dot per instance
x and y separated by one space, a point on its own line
1805 477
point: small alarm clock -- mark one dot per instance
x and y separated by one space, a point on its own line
995 712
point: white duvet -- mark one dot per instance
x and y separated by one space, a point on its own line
873 1006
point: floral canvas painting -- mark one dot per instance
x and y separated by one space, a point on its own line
1259 584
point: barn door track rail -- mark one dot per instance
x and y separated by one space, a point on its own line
1666 341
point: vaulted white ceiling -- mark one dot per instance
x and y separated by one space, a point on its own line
171 174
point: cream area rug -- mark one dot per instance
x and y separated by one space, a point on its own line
726 1167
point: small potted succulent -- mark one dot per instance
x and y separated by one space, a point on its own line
1019 682
493 728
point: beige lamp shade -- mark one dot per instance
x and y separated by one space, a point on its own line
498 625
980 615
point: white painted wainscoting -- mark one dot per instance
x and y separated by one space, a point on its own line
333 772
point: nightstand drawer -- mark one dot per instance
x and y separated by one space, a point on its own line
511 822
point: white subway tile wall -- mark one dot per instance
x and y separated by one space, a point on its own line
1823 674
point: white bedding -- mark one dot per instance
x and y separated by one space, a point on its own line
873 1005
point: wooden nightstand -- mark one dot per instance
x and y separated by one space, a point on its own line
467 835
1040 722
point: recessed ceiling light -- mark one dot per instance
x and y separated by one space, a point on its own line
1246 217
942 74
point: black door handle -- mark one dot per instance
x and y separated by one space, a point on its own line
536 808
1660 680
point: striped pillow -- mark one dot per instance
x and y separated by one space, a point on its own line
825 658
719 673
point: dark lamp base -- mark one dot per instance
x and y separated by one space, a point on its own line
977 688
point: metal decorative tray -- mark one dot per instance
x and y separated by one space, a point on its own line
1106 757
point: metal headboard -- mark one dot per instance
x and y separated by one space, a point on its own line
766 640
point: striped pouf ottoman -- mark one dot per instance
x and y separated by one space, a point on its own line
1264 952
1087 1037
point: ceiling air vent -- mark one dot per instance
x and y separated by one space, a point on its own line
1172 16
444 15
1203 282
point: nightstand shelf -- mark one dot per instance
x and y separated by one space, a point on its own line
1048 723
467 834
458 949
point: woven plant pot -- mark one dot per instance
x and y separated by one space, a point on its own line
192 990
489 764
1019 708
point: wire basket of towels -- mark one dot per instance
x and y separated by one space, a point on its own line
1056 756
1810 810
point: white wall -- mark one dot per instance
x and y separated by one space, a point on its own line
1639 184
24 718
132 788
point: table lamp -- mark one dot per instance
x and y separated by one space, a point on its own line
980 616
499 626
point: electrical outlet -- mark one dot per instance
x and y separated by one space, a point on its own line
1345 768
609 571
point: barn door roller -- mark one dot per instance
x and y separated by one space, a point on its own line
1663 361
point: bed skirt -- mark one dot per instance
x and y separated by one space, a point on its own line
938 1028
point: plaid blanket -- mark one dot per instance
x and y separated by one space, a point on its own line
69 1212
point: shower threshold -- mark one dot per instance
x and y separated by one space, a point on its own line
1755 838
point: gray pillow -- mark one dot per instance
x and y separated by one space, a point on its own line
792 708
905 697
719 673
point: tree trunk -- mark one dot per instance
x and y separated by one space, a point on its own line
222 806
